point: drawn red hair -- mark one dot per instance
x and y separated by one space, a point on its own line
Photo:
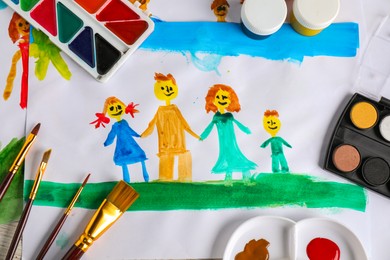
162 77
234 106
271 113
217 3
13 27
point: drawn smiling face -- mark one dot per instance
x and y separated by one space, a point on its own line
165 90
222 100
116 110
271 124
23 27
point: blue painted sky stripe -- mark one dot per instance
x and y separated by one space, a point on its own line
227 39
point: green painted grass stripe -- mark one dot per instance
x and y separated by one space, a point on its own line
265 190
12 204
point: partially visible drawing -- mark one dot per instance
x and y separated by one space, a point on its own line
221 98
45 52
272 125
127 151
19 32
220 9
143 3
171 127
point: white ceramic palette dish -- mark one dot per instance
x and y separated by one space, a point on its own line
288 240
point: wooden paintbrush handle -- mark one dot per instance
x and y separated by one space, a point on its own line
5 184
52 237
19 230
74 253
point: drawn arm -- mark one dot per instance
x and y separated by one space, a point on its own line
148 131
11 75
242 127
285 143
111 136
263 145
185 124
207 131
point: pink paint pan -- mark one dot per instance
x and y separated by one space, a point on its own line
99 35
359 149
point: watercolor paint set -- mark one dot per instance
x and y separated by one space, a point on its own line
359 149
272 237
99 35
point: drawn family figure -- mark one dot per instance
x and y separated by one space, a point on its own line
221 98
220 9
171 127
143 4
19 32
272 125
127 151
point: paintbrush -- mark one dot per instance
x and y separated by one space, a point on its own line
117 202
18 161
27 208
58 227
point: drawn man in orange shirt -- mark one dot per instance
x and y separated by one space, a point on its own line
170 129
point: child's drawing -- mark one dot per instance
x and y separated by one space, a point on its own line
127 151
221 98
19 32
144 3
220 9
170 129
272 125
45 52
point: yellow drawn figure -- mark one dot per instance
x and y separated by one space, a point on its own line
220 9
171 127
144 3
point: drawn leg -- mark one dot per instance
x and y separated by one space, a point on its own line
126 175
166 166
228 178
145 172
275 163
185 166
283 163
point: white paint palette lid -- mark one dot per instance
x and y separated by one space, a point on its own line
263 17
289 240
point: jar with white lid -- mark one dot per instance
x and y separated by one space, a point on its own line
310 17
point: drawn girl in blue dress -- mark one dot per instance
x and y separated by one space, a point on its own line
220 98
127 151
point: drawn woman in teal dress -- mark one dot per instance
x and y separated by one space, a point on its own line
220 98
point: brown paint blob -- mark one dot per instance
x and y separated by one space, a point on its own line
346 158
254 250
322 249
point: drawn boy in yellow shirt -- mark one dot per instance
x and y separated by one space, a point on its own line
170 129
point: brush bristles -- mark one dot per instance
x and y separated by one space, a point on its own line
46 156
36 129
122 196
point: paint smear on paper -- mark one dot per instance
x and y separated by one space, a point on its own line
339 40
264 191
323 249
62 240
254 250
12 204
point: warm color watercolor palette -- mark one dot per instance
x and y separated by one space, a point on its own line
99 35
359 148
286 239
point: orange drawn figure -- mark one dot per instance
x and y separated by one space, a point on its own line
220 9
144 3
170 130
19 32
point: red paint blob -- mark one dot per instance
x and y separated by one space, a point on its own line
322 249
